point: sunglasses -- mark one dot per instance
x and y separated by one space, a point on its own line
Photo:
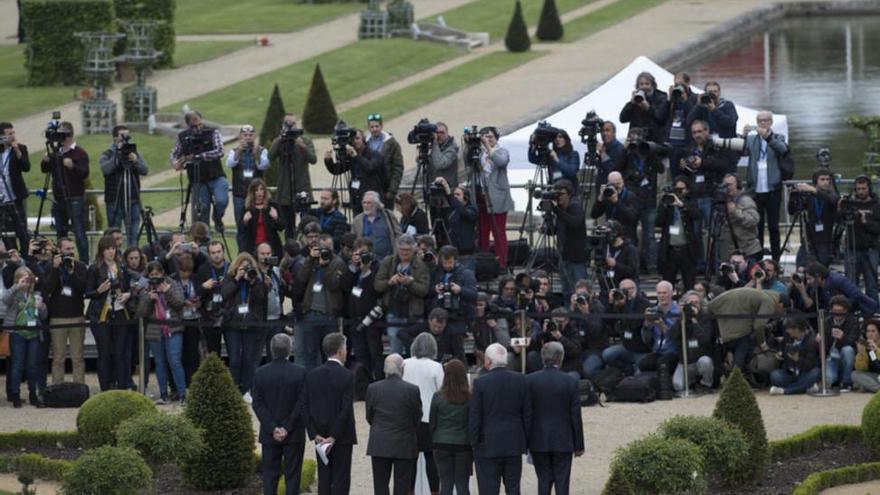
375 116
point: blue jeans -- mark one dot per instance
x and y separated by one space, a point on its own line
218 189
314 327
841 366
240 345
168 352
593 364
70 214
741 348
865 266
794 384
117 216
25 361
620 357
395 342
648 219
574 271
238 209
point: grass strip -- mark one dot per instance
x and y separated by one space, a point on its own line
605 17
255 16
493 16
193 52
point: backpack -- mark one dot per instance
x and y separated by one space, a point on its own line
637 388
608 379
65 395
486 266
589 394
786 166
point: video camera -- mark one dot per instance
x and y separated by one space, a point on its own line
850 207
197 141
472 145
128 146
544 136
290 133
721 195
303 201
590 126
342 135
546 197
422 133
55 136
437 196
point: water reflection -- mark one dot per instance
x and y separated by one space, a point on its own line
817 71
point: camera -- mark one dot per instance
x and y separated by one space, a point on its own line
156 282
429 257
609 191
639 96
342 135
326 255
366 258
590 126
668 198
422 133
270 261
581 299
450 301
652 313
678 90
648 148
552 326
68 263
303 201
374 315
437 196
689 310
497 311
759 273
54 135
618 296
195 142
290 133
544 136
706 98
551 194
850 207
721 195
127 146
797 278
735 144
252 274
472 145
727 269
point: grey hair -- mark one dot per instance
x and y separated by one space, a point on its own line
393 365
695 294
424 346
496 354
552 354
406 240
280 346
375 197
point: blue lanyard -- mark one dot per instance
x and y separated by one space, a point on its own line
446 277
368 227
763 153
187 289
214 272
640 163
819 206
243 291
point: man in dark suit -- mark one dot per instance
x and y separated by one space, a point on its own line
394 411
278 387
556 429
499 416
329 410
14 162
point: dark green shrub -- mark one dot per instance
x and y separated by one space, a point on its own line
656 465
816 438
871 424
29 439
319 115
723 446
549 25
517 38
107 471
616 485
272 125
847 475
54 55
737 406
161 438
99 416
214 405
35 466
158 10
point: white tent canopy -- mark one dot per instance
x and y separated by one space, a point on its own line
607 101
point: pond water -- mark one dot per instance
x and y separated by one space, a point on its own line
817 71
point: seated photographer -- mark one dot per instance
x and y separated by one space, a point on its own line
867 373
621 260
571 234
819 203
377 224
319 277
863 209
627 300
700 346
765 276
721 116
332 220
489 326
557 328
454 288
244 296
647 108
766 151
662 332
413 220
248 161
830 284
461 219
122 167
361 300
677 130
735 273
616 202
291 153
842 333
448 346
737 335
261 221
562 161
800 360
738 229
367 168
403 280
200 148
611 152
677 218
592 333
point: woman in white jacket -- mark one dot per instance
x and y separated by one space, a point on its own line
423 371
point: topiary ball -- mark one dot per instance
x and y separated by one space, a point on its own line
161 438
724 447
871 424
657 465
108 471
99 416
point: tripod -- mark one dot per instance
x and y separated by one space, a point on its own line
53 149
716 223
552 262
590 166
148 228
128 197
799 221
537 182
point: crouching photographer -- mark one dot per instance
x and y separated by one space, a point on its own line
626 300
489 326
700 340
679 250
841 335
800 360
557 329
454 289
818 203
437 327
660 332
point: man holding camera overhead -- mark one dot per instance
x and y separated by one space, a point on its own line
721 116
122 166
292 153
248 161
766 150
69 169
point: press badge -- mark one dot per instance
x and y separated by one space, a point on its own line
674 230
820 227
217 299
243 309
628 335
692 344
318 287
355 184
762 165
645 182
699 179
32 323
248 174
188 313
167 314
557 175
66 291
357 291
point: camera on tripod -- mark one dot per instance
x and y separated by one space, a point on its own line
721 195
55 136
303 201
290 132
590 126
797 200
544 135
472 145
342 135
195 142
437 195
127 146
422 133
850 208
546 197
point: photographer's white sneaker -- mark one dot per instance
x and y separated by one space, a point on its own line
777 391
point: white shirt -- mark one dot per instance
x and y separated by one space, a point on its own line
761 185
427 374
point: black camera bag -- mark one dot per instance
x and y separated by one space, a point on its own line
65 395
637 388
486 266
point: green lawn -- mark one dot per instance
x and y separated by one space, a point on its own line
458 78
20 100
349 71
606 17
193 52
255 16
493 16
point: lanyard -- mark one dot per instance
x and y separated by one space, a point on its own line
819 206
187 289
214 272
368 227
763 154
243 292
640 164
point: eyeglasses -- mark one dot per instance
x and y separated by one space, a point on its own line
375 116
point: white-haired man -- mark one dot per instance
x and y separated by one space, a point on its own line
377 224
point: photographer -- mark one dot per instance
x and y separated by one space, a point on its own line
765 276
721 116
436 326
14 162
200 148
558 328
377 224
388 148
647 109
276 291
592 333
25 307
261 221
800 361
704 166
444 157
291 153
209 280
842 333
488 327
332 220
454 288
627 300
495 200
461 222
738 335
362 298
621 257
122 167
681 101
320 276
867 361
248 161
413 220
611 152
616 202
861 213
766 151
367 169
829 284
403 280
244 295
190 313
571 234
563 161
679 241
69 169
64 285
700 346
735 273
661 331
738 231
819 201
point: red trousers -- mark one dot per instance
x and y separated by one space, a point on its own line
497 223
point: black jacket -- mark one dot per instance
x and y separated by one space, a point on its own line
461 223
367 168
277 393
629 330
571 232
500 414
800 357
626 258
96 276
626 211
700 339
706 178
570 339
666 220
210 308
464 303
653 119
867 233
394 412
821 209
851 333
329 403
17 168
359 302
68 182
254 296
55 280
556 424
640 176
417 220
114 176
273 226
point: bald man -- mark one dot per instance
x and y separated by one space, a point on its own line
616 202
765 150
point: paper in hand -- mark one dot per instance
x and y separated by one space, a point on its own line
321 452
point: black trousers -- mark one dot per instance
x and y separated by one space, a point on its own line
552 469
367 348
454 469
768 207
653 360
288 218
213 337
335 478
290 458
490 472
191 356
404 471
678 260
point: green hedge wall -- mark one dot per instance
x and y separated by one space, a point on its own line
814 439
847 475
151 10
55 56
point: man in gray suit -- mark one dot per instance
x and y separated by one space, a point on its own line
765 151
394 411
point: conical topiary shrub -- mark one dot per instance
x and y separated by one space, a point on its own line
214 405
319 116
737 406
517 38
871 424
272 124
549 26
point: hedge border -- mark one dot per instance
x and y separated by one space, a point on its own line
25 439
36 465
847 475
814 439
309 473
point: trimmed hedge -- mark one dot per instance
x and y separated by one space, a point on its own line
160 10
108 471
26 439
35 466
723 446
54 55
272 124
549 25
517 38
815 438
657 465
871 424
319 115
161 438
848 475
100 416
737 406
